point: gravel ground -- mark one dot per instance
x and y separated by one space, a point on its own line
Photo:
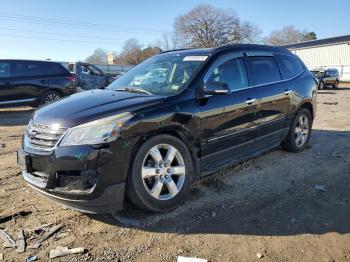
267 205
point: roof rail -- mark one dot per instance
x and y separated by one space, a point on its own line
180 49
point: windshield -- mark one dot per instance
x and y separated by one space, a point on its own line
160 75
317 74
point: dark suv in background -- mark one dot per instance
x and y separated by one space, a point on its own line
151 137
326 77
25 82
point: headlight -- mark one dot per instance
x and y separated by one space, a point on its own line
96 132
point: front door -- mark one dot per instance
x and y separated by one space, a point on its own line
228 121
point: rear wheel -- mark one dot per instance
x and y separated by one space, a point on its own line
299 132
161 174
50 96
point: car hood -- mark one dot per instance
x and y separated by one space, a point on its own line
91 105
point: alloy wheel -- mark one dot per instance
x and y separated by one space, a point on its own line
302 130
51 97
163 172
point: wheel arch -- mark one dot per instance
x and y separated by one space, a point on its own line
174 131
308 105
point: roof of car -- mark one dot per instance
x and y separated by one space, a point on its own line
233 47
323 69
320 42
28 60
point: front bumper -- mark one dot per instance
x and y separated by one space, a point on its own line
85 178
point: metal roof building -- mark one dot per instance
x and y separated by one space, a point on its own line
327 53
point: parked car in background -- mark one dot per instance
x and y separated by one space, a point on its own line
27 82
326 77
89 77
151 141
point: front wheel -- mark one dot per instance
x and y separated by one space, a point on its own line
299 132
336 84
161 174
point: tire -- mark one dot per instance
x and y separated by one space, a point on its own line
50 96
297 132
321 85
154 190
336 84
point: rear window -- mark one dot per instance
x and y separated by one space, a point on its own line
5 69
264 70
290 66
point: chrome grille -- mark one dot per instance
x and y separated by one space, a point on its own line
43 137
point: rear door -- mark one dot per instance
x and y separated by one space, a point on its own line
274 97
90 77
228 122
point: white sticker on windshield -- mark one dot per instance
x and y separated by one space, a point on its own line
195 58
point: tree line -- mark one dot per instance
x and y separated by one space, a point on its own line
204 26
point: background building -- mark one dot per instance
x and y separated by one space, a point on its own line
327 53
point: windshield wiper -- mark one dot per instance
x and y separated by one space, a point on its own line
133 90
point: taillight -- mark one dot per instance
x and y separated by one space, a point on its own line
71 77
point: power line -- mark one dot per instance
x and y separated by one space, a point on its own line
80 25
61 34
55 20
56 39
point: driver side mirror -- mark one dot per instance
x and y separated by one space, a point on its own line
216 88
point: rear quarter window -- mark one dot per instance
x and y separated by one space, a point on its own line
264 70
57 69
290 66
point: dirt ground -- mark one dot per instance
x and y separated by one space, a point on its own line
267 205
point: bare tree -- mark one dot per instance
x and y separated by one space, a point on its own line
208 26
168 41
133 54
289 35
245 32
130 52
99 56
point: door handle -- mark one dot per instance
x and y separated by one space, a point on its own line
287 92
250 101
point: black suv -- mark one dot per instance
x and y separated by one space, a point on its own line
26 82
167 122
326 77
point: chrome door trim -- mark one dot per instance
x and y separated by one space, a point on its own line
17 101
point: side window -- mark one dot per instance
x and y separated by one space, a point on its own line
290 66
27 68
5 69
232 73
264 70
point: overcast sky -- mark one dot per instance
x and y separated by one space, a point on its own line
70 30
